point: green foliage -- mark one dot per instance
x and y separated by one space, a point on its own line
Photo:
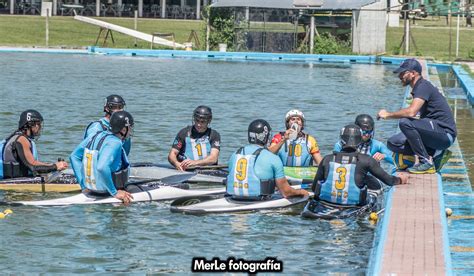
221 22
471 54
329 44
395 50
418 53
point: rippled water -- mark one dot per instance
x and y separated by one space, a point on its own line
161 94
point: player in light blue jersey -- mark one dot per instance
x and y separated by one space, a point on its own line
100 163
254 171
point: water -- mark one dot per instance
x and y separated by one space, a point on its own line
161 94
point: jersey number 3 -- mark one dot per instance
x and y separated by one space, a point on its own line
341 183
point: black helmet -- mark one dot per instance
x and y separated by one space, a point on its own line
202 112
119 120
351 136
259 132
28 118
113 102
365 122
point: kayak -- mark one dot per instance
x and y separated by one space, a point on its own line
321 209
160 172
209 204
300 175
65 181
155 194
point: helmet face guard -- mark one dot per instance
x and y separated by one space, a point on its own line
294 113
351 136
202 115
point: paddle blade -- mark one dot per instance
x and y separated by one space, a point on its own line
178 178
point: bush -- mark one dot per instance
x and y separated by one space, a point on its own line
221 22
329 44
471 54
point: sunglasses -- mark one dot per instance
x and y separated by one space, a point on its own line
367 132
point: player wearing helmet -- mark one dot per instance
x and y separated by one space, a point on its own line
100 163
196 145
294 147
369 145
18 155
112 103
341 175
254 172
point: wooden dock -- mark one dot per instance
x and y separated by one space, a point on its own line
415 242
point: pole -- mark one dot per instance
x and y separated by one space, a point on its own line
450 31
457 37
407 33
135 24
47 27
311 35
208 30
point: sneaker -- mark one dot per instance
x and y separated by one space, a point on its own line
440 160
422 168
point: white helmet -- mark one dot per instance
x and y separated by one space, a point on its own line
293 113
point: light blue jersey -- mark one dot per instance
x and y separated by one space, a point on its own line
104 125
372 147
97 159
252 172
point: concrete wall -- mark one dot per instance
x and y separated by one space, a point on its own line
369 26
393 15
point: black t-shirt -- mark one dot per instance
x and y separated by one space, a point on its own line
435 107
179 142
365 164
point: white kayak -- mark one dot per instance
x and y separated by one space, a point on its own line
144 172
208 204
159 172
160 193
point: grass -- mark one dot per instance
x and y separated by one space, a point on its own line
66 32
431 35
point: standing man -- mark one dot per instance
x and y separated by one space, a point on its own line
254 172
100 163
433 133
196 145
112 103
294 147
18 155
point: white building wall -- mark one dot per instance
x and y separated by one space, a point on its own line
393 16
369 28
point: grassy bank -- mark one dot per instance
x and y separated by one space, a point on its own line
431 36
67 32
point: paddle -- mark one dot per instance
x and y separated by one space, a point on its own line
207 167
172 179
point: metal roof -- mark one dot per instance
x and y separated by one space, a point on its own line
327 5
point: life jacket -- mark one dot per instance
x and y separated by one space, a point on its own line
197 149
102 125
89 165
10 165
242 181
340 187
296 153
